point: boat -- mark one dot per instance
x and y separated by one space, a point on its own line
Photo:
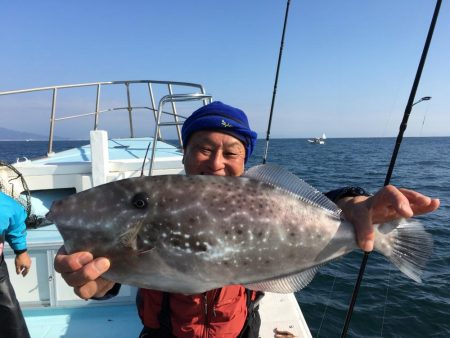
318 140
50 307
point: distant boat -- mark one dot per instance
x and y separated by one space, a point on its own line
318 140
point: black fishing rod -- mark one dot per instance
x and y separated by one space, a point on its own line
276 82
403 125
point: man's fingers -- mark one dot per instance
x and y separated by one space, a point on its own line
283 334
22 270
97 288
69 263
83 272
365 236
22 263
420 204
80 268
388 204
398 201
88 272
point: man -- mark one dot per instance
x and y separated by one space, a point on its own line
13 230
218 141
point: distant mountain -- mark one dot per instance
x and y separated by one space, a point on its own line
14 135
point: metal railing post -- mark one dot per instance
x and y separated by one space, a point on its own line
52 123
155 139
152 100
130 109
175 116
97 107
162 101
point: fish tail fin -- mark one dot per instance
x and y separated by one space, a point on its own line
406 244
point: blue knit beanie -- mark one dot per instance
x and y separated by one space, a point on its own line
218 116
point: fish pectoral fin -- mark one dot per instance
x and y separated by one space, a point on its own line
133 239
128 239
286 284
143 245
145 251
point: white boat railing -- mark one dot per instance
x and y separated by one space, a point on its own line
173 98
197 94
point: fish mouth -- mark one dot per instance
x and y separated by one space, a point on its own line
49 215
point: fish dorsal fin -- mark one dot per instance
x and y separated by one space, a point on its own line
286 284
279 177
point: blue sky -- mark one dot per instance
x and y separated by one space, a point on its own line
347 67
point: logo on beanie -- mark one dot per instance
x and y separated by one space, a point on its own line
226 124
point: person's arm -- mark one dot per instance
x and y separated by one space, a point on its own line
16 237
81 271
16 232
387 204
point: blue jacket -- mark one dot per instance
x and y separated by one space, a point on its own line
12 223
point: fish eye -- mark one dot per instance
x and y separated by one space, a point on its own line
140 201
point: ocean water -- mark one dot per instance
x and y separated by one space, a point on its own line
389 304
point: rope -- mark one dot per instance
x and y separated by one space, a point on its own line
326 307
385 300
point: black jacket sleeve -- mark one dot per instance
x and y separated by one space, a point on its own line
114 291
351 191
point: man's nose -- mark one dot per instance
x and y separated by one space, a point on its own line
217 161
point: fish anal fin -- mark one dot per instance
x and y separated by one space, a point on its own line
286 284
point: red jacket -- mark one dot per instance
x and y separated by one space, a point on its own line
216 313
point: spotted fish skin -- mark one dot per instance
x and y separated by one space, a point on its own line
190 234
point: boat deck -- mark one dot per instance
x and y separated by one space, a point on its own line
87 322
115 159
118 149
122 155
277 311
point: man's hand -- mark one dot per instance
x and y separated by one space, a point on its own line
23 263
81 271
388 204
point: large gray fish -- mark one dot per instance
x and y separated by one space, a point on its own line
268 230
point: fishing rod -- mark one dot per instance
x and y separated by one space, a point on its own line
276 82
402 129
